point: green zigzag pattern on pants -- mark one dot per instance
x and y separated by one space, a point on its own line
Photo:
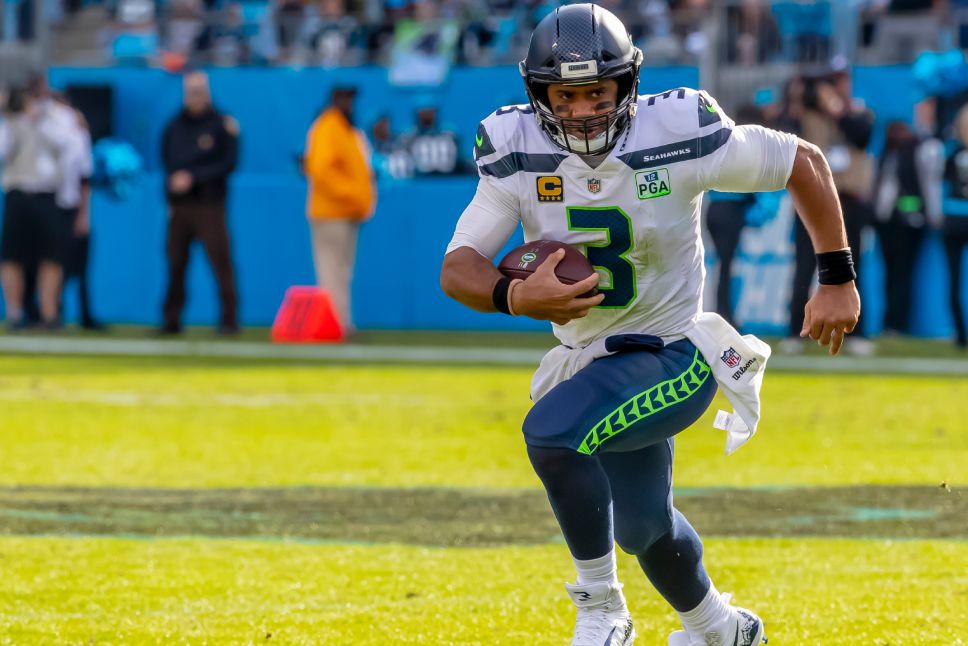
649 402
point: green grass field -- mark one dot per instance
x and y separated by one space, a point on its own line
181 501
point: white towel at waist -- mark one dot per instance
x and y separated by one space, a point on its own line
737 363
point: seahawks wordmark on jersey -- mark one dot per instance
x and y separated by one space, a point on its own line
636 215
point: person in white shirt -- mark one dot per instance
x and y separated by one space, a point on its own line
34 132
591 163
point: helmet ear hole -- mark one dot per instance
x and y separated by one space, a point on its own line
540 93
626 85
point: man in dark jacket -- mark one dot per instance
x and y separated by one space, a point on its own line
199 149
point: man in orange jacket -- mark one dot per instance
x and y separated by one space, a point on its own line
341 196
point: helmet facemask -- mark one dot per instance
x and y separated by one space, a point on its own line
592 135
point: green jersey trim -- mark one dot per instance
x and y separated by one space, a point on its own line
649 402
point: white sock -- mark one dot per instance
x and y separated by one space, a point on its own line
600 570
709 614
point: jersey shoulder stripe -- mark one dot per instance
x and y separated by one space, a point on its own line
516 162
677 125
678 151
680 111
709 110
509 141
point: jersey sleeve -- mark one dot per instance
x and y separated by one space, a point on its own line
752 158
495 211
740 159
489 220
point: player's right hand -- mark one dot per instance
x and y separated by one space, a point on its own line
542 296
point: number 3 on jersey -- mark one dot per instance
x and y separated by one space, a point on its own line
608 257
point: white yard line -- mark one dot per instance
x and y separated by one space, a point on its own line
429 354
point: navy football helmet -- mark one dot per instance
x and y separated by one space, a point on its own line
577 45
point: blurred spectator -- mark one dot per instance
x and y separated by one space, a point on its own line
786 115
224 39
955 13
341 196
336 37
74 201
23 16
390 160
34 132
479 37
748 32
183 26
955 227
840 126
134 31
901 215
434 150
901 29
804 29
289 15
199 151
655 31
689 23
725 220
420 39
133 12
424 47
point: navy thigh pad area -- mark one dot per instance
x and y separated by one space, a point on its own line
643 394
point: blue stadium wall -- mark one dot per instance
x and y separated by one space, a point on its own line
396 283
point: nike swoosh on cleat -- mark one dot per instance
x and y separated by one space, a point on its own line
608 640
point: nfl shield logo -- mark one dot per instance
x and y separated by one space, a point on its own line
594 185
731 358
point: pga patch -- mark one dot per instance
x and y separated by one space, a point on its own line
652 183
550 188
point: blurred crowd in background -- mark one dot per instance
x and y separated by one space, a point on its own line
913 181
472 32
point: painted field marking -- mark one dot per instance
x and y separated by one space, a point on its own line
351 353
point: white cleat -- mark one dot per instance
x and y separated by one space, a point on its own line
603 617
743 628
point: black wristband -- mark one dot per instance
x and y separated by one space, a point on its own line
500 295
835 267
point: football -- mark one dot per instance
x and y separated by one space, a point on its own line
522 261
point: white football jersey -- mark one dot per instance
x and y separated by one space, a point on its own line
636 216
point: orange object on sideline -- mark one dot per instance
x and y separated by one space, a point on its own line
307 315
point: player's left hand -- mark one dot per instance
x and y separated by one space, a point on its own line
831 313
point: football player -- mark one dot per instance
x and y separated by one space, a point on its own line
621 176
